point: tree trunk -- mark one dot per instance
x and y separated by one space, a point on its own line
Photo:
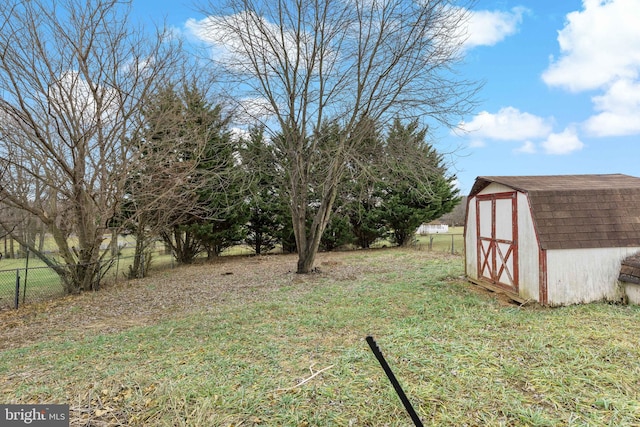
114 243
137 270
308 246
306 258
258 243
42 235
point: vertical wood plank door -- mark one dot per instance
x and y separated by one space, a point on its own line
497 229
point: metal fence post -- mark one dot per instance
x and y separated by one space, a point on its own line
17 287
26 274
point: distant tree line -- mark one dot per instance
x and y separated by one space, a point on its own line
231 186
457 217
109 128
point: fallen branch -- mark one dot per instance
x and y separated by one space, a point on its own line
314 374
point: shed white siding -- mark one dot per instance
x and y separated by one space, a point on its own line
529 252
471 241
632 291
582 275
432 229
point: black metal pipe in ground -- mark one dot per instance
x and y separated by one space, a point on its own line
396 385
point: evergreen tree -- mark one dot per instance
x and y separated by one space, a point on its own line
266 211
359 194
338 232
221 197
367 222
187 188
412 196
161 196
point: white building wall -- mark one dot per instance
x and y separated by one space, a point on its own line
528 252
432 229
632 291
495 188
471 241
584 275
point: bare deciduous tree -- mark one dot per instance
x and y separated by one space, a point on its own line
336 61
74 75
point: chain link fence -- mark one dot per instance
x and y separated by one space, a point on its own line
21 285
25 281
35 283
452 243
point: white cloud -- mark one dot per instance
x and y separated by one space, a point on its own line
562 143
508 124
223 43
477 143
236 47
248 42
619 111
528 148
486 28
598 45
600 50
252 110
72 94
239 133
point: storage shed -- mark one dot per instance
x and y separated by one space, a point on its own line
557 239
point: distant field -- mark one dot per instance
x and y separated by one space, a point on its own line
247 342
443 242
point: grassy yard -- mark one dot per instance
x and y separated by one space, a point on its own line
245 341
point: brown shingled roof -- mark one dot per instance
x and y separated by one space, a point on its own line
579 211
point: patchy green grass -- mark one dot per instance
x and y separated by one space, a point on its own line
464 357
452 242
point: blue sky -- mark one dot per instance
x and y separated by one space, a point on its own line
561 88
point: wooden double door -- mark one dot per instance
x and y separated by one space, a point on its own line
497 231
